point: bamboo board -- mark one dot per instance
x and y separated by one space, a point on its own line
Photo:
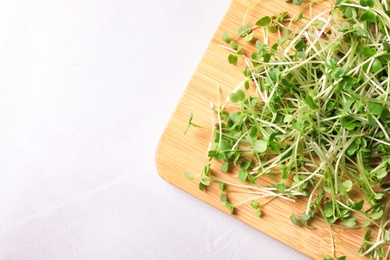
178 153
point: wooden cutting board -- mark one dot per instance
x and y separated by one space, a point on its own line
178 153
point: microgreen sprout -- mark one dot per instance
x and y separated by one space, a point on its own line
311 118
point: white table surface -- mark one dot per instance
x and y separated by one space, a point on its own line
86 89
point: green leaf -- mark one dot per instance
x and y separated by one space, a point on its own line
224 145
352 125
381 173
207 170
371 120
202 187
223 197
368 16
273 29
245 165
346 83
253 132
300 45
267 57
258 212
298 126
255 57
281 16
320 24
212 153
244 30
205 182
242 175
369 51
251 178
220 155
225 167
359 30
376 66
234 45
345 26
189 176
330 64
225 37
241 31
249 37
233 97
350 12
229 206
264 21
240 95
233 59
246 84
386 45
329 211
274 75
247 72
379 253
300 17
284 173
260 146
327 189
237 96
310 102
387 235
358 205
274 135
259 46
346 106
347 185
368 3
305 216
301 54
378 196
254 204
377 215
295 220
366 223
288 84
375 108
338 73
349 222
281 40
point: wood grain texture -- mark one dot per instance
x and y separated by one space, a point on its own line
178 153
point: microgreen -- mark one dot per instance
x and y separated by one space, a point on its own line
312 114
225 37
254 204
295 220
233 59
265 21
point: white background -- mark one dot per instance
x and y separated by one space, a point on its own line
86 89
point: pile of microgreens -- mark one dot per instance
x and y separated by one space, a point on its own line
313 115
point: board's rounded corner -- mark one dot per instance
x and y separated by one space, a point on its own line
157 157
157 161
